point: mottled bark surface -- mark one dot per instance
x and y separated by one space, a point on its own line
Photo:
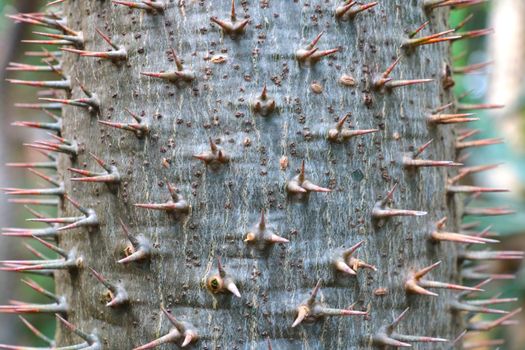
227 202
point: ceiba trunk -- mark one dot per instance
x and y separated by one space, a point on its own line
263 145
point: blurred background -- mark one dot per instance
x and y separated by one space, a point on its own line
487 69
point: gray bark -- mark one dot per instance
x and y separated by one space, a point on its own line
227 202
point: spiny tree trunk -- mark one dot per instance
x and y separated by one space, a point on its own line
228 201
223 103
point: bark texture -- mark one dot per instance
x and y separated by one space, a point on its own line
227 202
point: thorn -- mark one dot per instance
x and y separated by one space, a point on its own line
118 53
36 332
412 42
54 84
174 76
175 205
480 306
48 42
464 134
110 174
45 20
418 163
421 27
56 126
381 210
299 184
451 189
149 6
222 282
451 118
56 2
61 264
474 33
59 304
311 54
22 67
34 252
62 146
35 201
27 308
43 106
140 248
46 54
140 128
486 233
116 293
42 233
493 301
471 170
263 105
345 262
387 336
263 234
38 288
341 134
171 337
473 68
346 12
185 328
74 38
384 82
392 84
467 106
59 190
21 232
488 325
91 339
215 157
487 211
410 161
478 143
311 310
380 81
439 236
233 27
52 247
91 103
341 10
492 255
417 285
479 272
88 219
181 331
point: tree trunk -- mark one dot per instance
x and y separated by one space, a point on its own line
263 149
